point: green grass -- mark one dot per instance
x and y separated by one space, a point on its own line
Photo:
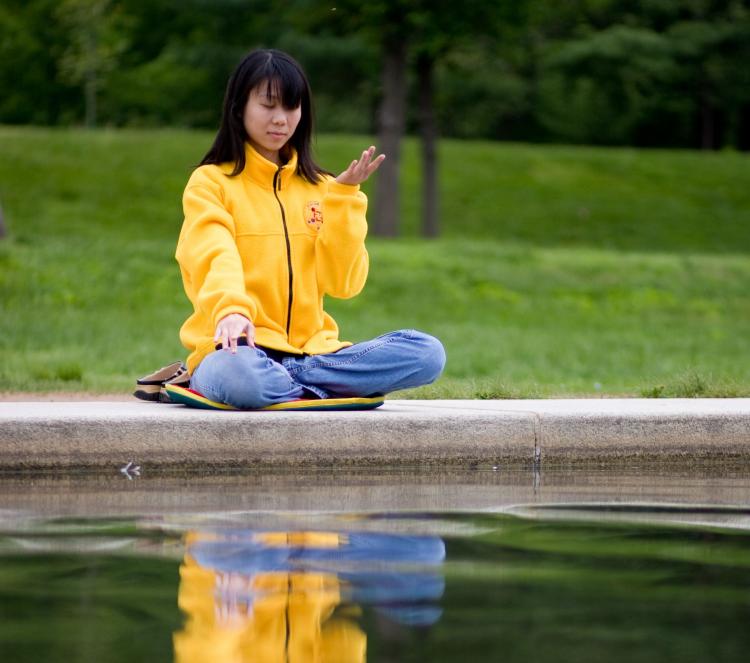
561 270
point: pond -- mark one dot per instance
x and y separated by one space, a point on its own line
235 569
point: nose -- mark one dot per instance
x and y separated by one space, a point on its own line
279 118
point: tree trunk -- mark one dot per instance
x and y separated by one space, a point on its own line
743 129
90 96
428 131
707 126
391 122
712 124
90 77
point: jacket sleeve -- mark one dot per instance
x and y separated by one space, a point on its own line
341 259
209 259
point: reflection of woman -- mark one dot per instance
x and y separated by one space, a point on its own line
282 596
272 617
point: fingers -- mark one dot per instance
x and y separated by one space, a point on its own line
364 160
222 335
229 330
360 169
375 165
369 166
366 156
356 166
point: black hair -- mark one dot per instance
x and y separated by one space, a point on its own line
284 77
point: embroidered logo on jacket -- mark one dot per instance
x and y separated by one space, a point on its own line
314 214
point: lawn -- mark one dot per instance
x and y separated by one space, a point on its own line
561 271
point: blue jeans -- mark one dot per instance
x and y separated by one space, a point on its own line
252 379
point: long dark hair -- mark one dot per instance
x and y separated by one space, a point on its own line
285 77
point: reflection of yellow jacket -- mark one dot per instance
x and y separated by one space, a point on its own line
266 618
269 245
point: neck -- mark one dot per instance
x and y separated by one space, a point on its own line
274 156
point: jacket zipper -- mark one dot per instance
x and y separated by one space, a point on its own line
277 182
287 616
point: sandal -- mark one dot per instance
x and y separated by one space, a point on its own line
151 387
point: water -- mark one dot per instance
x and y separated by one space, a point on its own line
190 569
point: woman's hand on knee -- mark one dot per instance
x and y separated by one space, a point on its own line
231 328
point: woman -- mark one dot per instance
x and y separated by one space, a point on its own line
267 234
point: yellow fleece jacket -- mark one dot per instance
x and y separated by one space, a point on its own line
269 245
269 616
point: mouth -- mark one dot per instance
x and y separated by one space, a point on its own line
277 134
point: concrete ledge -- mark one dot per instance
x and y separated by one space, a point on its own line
407 433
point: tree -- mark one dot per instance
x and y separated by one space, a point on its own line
94 47
440 26
610 79
652 73
385 24
707 52
391 118
406 33
425 67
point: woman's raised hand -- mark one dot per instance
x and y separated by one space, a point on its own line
360 169
231 328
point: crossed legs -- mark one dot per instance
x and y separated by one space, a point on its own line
250 379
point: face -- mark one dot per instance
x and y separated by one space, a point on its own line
268 124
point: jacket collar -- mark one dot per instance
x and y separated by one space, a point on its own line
262 171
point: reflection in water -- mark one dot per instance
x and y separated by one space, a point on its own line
298 596
516 589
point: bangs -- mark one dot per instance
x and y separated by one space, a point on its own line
282 81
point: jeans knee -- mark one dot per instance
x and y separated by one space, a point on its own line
431 356
233 379
242 388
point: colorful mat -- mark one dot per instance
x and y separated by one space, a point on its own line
192 398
